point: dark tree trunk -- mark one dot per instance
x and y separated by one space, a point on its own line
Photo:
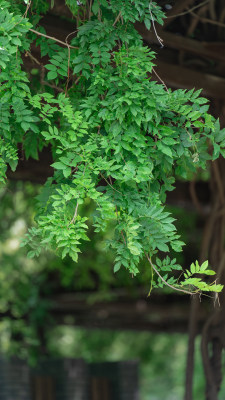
213 331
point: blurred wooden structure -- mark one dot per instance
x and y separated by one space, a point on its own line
68 379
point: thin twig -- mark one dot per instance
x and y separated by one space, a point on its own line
117 215
68 71
24 16
51 85
164 281
76 209
109 183
75 214
53 38
32 58
160 79
189 10
27 8
153 24
71 33
68 62
90 7
123 158
117 19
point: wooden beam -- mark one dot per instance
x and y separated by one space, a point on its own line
213 50
159 313
176 76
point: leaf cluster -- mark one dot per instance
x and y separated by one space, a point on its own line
118 138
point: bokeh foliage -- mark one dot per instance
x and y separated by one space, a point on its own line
28 285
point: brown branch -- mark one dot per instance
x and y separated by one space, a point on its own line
28 54
218 181
195 199
189 10
27 9
75 214
68 71
53 86
90 6
163 280
207 20
124 240
178 7
109 183
24 15
117 215
206 359
212 9
194 311
180 77
53 38
221 212
160 79
68 64
221 267
117 19
203 49
153 24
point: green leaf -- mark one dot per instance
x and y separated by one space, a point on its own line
13 164
192 268
95 7
165 149
216 288
52 75
31 254
147 23
59 165
209 272
117 266
66 172
163 247
204 266
16 41
51 67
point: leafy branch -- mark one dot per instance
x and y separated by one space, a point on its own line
117 137
53 38
164 281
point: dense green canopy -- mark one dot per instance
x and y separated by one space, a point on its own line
118 138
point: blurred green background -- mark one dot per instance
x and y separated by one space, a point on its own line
26 285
